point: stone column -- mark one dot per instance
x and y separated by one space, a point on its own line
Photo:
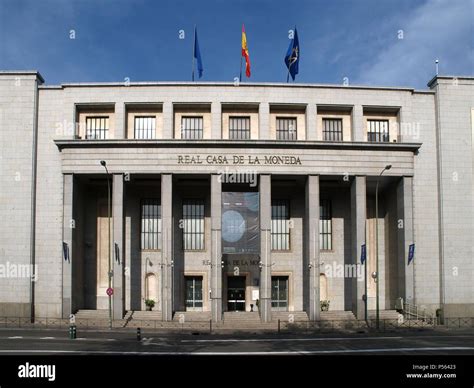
264 121
168 130
265 192
166 246
357 123
216 247
311 241
216 120
118 245
68 237
120 121
405 238
311 128
358 220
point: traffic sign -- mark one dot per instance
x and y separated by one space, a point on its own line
110 291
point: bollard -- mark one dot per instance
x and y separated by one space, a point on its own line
278 326
139 334
210 326
72 332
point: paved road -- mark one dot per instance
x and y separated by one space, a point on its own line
52 342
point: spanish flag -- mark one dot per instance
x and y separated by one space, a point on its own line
245 52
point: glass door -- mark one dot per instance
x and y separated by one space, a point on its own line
236 293
193 293
280 293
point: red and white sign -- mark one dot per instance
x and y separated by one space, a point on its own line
110 291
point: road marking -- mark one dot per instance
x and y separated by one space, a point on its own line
95 339
259 353
61 338
290 339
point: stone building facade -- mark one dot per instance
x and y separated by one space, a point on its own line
256 197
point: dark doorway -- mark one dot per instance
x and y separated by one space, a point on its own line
236 293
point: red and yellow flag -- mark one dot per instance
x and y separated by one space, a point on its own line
245 52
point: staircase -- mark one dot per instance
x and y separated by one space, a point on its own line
287 316
92 315
384 314
243 320
337 315
192 316
143 315
412 311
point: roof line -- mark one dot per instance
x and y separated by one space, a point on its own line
23 72
242 84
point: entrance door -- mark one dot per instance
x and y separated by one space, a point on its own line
280 293
193 293
236 293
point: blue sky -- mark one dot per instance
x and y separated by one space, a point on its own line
139 39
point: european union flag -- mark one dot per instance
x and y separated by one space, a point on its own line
197 55
292 57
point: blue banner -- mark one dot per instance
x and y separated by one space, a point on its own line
411 253
363 254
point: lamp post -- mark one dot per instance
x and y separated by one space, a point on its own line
110 273
377 277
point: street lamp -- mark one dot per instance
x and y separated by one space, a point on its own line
104 164
377 278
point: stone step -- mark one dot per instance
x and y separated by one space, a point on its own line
286 316
241 316
192 316
143 315
92 314
337 315
384 314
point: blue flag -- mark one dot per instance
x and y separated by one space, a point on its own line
292 57
411 253
363 254
197 55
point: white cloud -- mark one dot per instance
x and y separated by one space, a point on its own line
440 29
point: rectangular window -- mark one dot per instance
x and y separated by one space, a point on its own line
239 128
325 225
332 129
193 225
280 293
151 224
191 127
145 127
286 128
377 130
193 292
97 127
280 226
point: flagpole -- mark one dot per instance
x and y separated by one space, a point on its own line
194 52
240 77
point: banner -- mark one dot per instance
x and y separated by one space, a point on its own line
240 223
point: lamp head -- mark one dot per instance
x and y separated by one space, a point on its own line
388 166
103 163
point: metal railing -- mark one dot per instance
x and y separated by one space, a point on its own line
412 311
209 326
